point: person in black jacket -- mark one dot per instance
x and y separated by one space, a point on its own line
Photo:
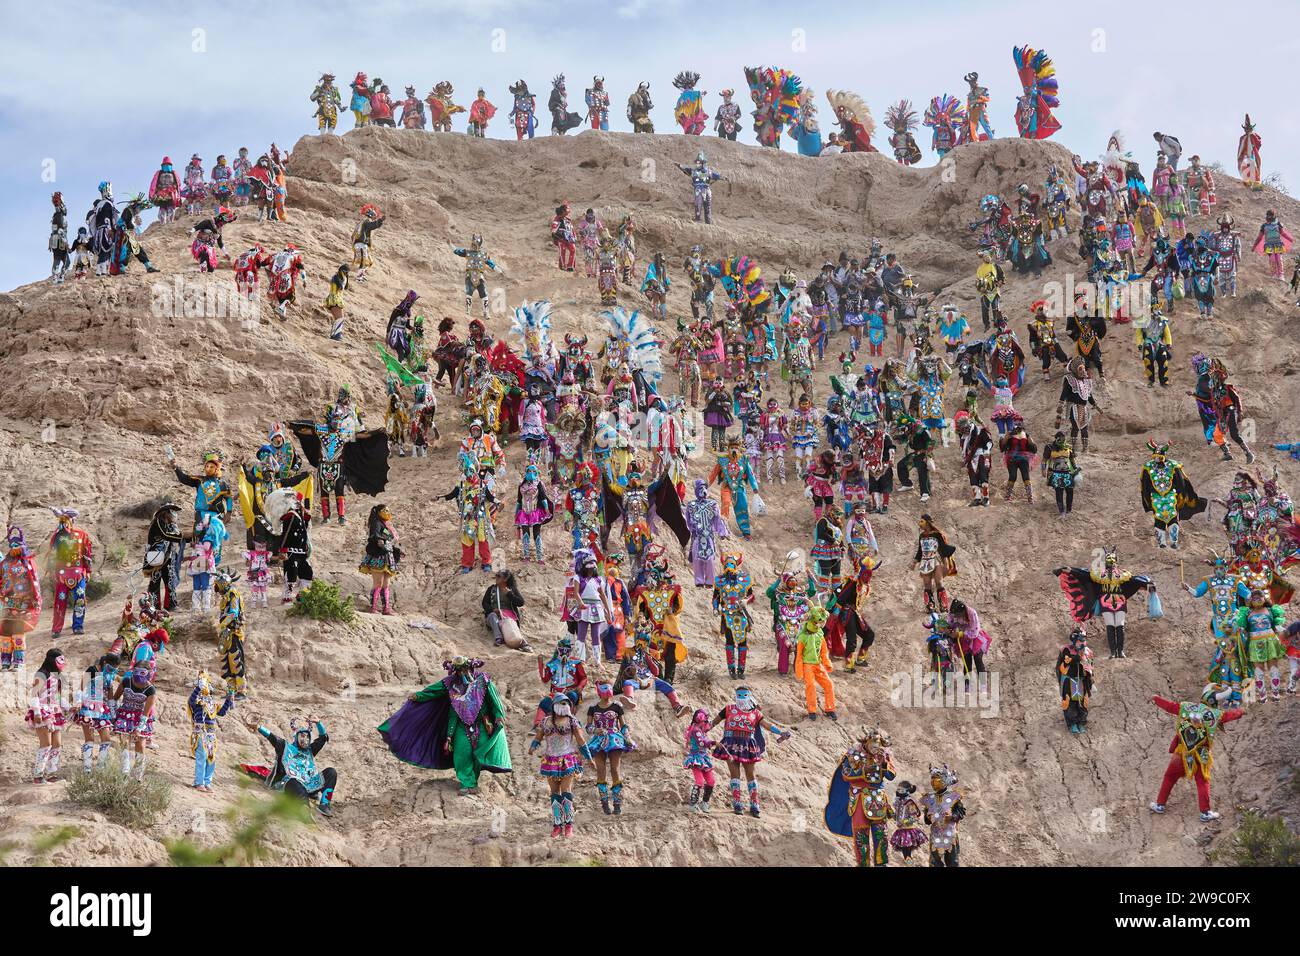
503 611
295 764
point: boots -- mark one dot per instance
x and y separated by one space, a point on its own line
325 507
339 503
741 654
753 798
617 793
603 790
52 767
731 661
87 757
207 600
1011 491
374 600
695 798
196 601
387 593
42 761
943 600
737 807
704 800
128 758
557 800
1029 492
287 596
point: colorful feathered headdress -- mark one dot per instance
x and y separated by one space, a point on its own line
901 117
641 338
532 325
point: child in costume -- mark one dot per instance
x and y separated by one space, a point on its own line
95 709
699 760
565 749
1274 242
743 745
136 698
533 510
382 558
608 739
907 836
202 564
257 572
45 715
1074 671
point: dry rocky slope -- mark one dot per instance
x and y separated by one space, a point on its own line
106 377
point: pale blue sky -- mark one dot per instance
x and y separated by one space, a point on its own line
104 90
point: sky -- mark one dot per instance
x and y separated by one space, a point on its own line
102 90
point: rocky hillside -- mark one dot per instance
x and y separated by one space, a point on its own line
101 374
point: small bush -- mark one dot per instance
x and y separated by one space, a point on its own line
323 602
124 800
115 557
97 588
252 819
1260 841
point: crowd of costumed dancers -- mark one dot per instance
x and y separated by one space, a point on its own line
602 440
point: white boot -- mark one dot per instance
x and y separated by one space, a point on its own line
128 757
207 600
42 759
196 601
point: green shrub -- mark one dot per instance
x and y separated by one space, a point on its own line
1260 841
124 800
98 587
115 557
252 818
323 602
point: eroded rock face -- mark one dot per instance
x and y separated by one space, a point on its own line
100 374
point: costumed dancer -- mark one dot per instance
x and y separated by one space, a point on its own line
480 112
775 94
944 810
1061 471
1193 750
857 806
1248 155
726 121
1037 74
477 264
689 111
703 177
94 709
295 547
562 118
20 599
564 238
1273 241
565 750
597 100
946 118
205 707
743 745
706 525
382 558
58 244
1106 591
934 562
133 719
1018 454
45 715
639 106
901 118
908 836
790 596
533 510
736 479
977 453
657 599
699 760
1074 674
812 663
371 219
607 736
1262 624
855 121
457 723
977 105
1167 494
70 559
295 770
1077 400
586 608
474 502
733 592
230 639
806 130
